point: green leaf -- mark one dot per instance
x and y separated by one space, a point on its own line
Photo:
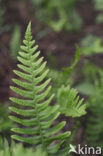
70 103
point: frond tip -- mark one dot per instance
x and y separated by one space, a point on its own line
33 94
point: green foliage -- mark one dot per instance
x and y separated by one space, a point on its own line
95 119
98 4
85 88
68 22
5 123
99 18
91 45
15 43
58 14
38 117
70 103
90 73
92 86
18 149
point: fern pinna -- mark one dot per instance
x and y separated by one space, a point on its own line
38 117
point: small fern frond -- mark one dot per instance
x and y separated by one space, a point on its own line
36 116
94 128
95 125
70 102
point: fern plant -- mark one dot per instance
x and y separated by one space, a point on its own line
95 118
93 88
59 15
38 117
32 107
95 48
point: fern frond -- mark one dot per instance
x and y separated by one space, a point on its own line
95 120
18 149
33 90
70 102
94 126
